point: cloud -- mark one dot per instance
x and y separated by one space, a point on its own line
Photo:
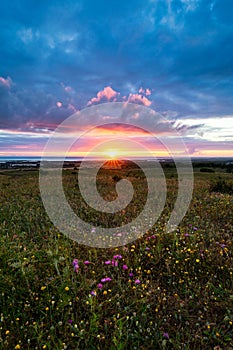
6 82
107 94
140 99
147 91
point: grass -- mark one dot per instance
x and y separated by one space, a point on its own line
167 291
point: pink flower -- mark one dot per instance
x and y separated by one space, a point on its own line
137 281
117 256
75 264
114 263
125 267
130 274
86 262
99 285
108 262
106 279
166 335
93 293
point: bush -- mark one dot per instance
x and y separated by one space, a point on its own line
207 170
222 186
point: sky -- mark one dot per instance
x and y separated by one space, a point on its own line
173 56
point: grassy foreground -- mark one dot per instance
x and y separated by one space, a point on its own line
164 291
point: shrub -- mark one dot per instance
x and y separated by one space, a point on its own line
222 186
207 170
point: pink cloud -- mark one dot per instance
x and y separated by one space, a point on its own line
147 91
59 104
67 88
140 99
7 82
106 94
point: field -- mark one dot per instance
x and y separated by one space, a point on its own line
163 291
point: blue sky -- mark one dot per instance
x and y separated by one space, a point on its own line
174 56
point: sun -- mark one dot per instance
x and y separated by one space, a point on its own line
112 153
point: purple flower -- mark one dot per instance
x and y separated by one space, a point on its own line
70 321
86 262
114 263
131 274
108 262
117 256
147 248
166 335
186 234
99 285
223 245
137 281
195 228
93 293
125 267
106 279
75 264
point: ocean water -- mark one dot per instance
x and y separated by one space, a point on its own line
4 159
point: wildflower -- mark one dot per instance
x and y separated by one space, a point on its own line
114 263
117 256
70 321
43 288
166 335
7 332
125 267
67 288
130 274
106 279
99 285
108 262
86 262
75 264
137 281
93 293
17 346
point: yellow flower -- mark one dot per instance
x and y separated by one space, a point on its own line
17 346
197 260
105 292
67 288
7 332
43 288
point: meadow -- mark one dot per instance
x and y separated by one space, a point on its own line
163 291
